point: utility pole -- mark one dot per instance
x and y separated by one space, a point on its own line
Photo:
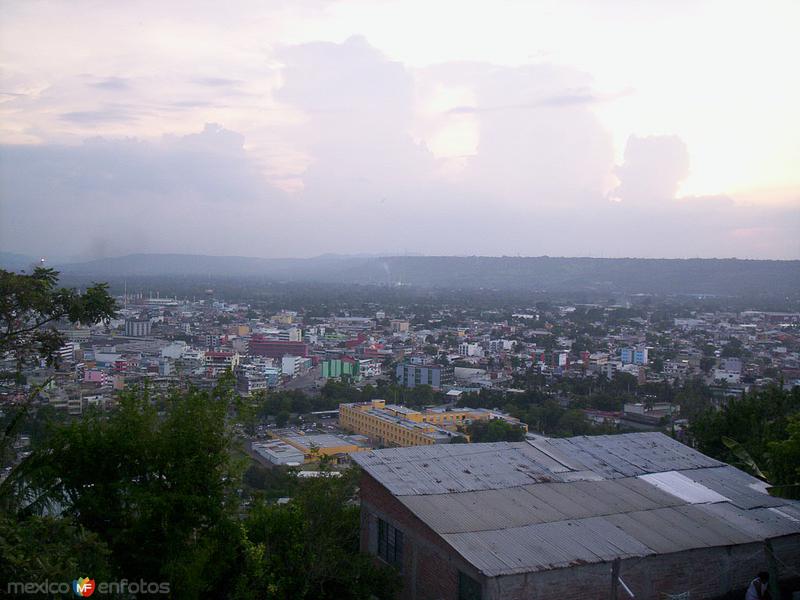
615 578
772 566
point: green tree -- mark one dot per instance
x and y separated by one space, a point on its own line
784 455
142 481
50 548
34 547
762 428
282 418
495 430
309 547
733 348
707 363
31 306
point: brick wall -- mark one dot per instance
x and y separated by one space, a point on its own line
430 565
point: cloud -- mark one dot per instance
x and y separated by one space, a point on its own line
217 81
115 84
98 117
358 108
190 192
534 180
653 169
537 158
565 98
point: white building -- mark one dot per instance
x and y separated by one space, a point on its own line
727 376
292 365
175 350
496 346
137 327
468 349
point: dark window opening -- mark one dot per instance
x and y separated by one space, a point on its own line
468 588
390 544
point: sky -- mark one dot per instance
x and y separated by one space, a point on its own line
281 128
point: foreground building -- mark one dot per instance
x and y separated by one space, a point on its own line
572 518
395 425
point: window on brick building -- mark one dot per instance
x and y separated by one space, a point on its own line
468 588
390 544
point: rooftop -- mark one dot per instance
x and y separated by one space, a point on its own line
550 503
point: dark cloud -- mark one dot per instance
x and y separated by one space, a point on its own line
116 84
99 117
565 98
570 98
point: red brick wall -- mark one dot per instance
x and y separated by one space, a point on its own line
430 565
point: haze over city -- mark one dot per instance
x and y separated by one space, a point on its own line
278 129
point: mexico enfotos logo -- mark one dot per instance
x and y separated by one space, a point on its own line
83 587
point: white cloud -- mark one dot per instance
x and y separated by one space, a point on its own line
349 145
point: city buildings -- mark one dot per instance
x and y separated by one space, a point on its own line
578 356
635 356
437 376
468 349
315 446
137 327
394 425
338 368
400 325
260 346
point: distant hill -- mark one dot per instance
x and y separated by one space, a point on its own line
732 277
631 275
157 265
11 261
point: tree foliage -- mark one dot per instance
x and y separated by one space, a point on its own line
765 426
309 547
31 305
156 495
495 430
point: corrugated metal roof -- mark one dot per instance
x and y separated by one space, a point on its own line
684 488
531 504
439 469
632 454
545 546
737 486
550 503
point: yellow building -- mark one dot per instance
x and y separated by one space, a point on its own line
394 425
284 317
315 445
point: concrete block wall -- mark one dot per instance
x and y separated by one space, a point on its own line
708 573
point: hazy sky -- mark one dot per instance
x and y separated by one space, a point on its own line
300 127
